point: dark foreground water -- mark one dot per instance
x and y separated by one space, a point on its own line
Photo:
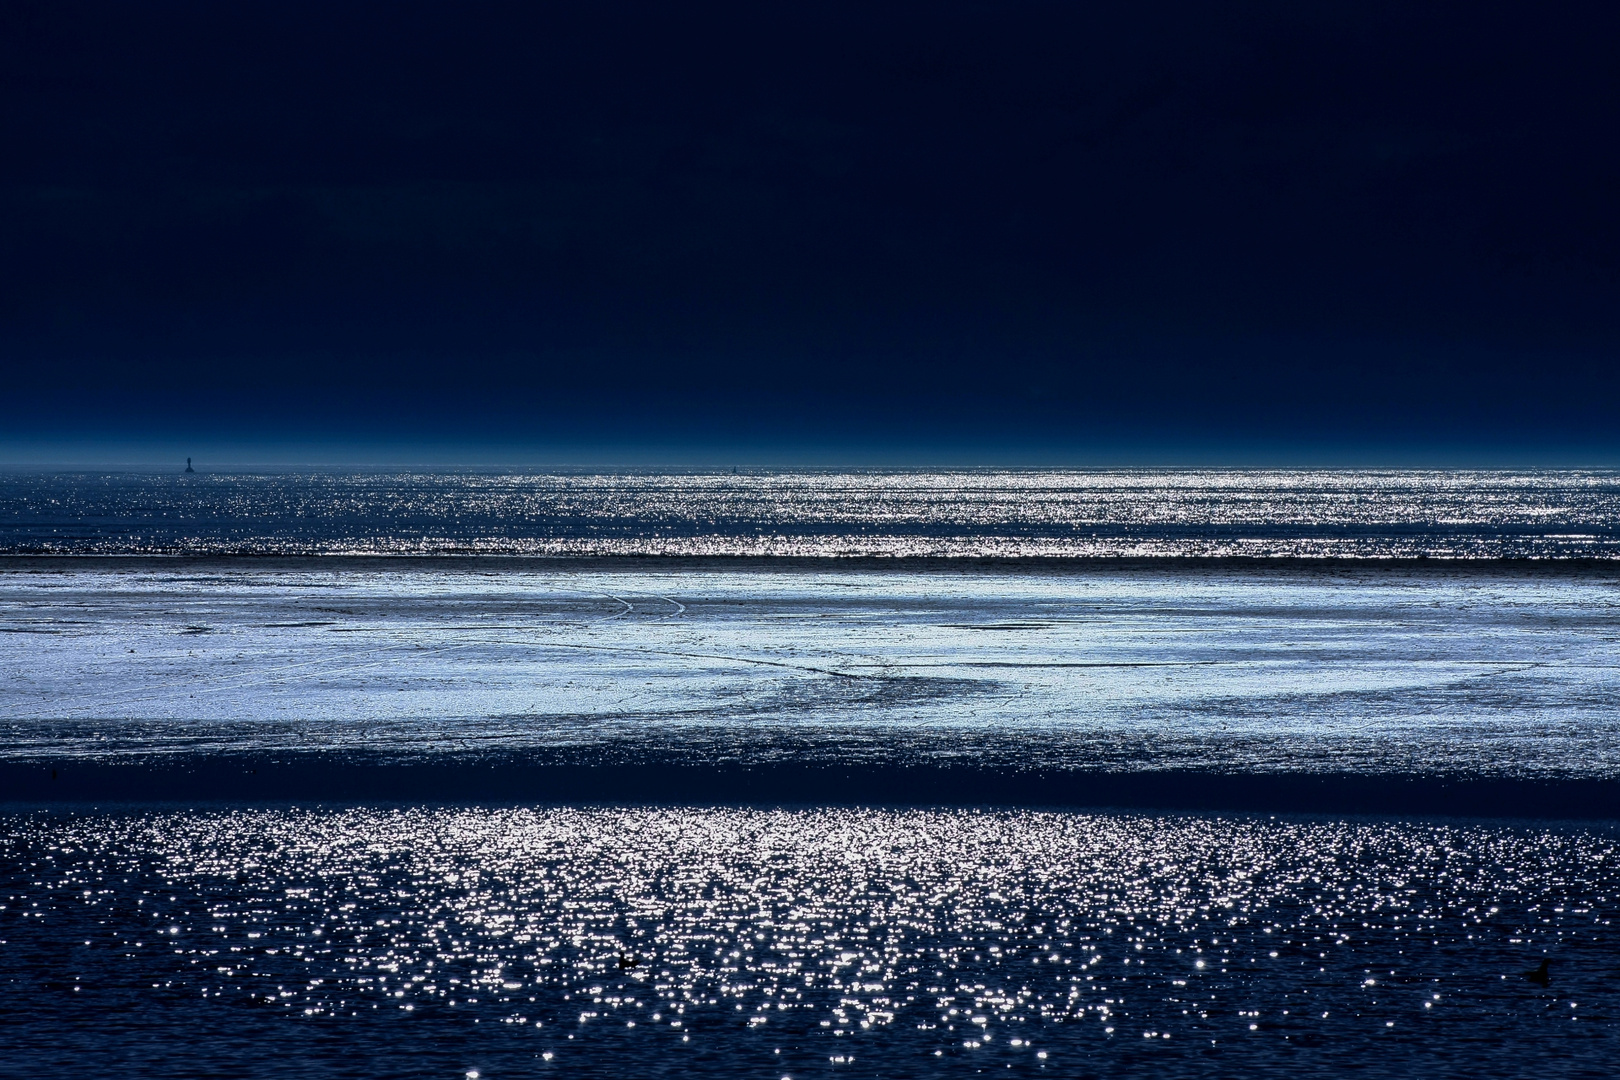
809 774
679 941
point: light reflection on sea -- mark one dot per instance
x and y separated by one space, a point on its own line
689 941
681 940
808 513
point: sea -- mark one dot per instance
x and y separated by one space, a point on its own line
809 773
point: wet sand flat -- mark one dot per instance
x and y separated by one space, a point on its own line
1380 670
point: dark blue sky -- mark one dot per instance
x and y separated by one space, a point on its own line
1048 231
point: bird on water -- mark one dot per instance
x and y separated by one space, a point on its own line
188 466
1538 975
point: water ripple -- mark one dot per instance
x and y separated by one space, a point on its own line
665 941
808 513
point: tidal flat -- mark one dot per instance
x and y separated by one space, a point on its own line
1456 670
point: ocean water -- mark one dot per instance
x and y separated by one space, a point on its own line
809 774
680 941
1016 514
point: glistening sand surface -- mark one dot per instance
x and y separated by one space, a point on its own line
1474 669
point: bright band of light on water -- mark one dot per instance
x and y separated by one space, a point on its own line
813 935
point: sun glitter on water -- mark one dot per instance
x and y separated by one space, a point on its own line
859 939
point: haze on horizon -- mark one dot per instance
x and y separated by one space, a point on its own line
1028 234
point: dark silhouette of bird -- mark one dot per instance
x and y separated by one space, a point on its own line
627 961
1538 975
188 466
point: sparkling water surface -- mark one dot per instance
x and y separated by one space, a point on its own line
808 513
1405 628
679 941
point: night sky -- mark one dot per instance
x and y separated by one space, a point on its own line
1051 232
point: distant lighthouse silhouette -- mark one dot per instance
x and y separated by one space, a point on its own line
188 466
